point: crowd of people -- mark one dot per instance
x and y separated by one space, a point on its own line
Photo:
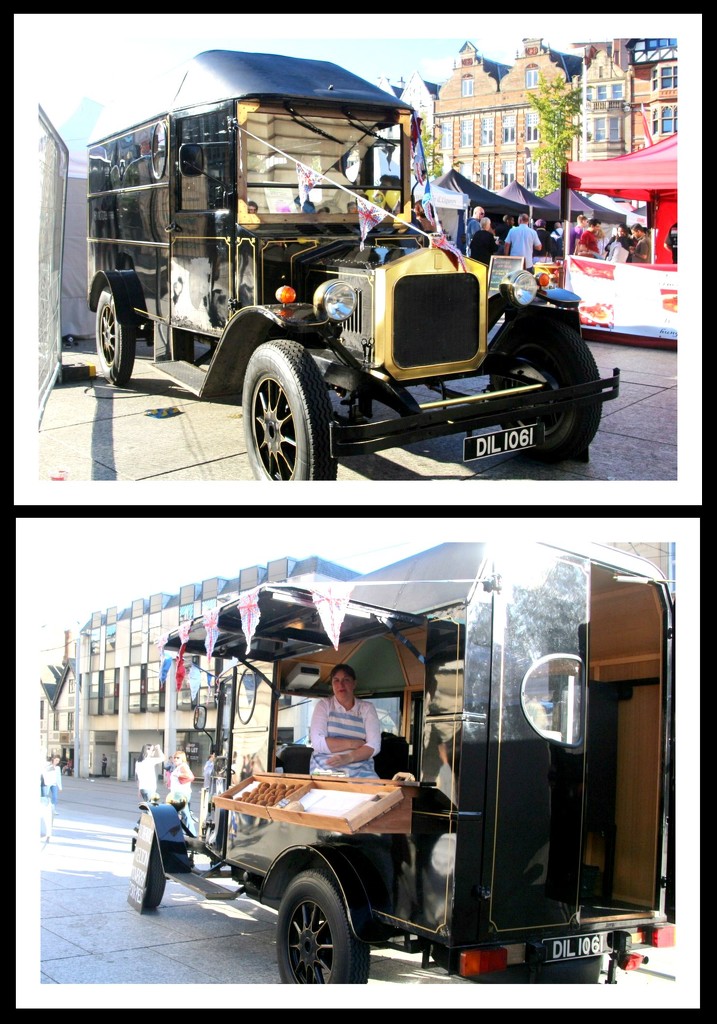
486 237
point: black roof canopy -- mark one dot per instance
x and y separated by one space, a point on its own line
229 74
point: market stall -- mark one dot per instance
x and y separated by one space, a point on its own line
636 303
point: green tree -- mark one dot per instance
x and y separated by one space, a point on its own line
558 107
434 162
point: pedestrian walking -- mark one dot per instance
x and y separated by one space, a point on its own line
52 778
104 766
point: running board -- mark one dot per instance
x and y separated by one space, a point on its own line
191 377
198 883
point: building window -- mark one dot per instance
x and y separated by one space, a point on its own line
531 78
613 126
486 131
664 77
467 87
616 90
507 170
589 94
467 170
446 135
669 120
486 174
531 176
137 688
600 129
602 92
97 685
466 132
531 126
509 130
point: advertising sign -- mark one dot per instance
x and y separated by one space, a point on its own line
499 267
624 297
140 863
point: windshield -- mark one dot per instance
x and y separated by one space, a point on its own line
344 155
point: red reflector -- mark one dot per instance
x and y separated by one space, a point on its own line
482 961
663 936
632 962
285 294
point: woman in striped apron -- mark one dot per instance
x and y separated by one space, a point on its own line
345 732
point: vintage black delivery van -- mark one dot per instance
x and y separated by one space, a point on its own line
223 236
520 826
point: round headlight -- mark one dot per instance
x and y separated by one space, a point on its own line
520 287
335 299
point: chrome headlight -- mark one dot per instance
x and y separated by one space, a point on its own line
335 300
520 287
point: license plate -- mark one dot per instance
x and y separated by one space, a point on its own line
515 439
575 946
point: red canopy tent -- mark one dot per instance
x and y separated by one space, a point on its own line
649 174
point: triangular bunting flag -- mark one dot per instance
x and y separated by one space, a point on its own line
331 600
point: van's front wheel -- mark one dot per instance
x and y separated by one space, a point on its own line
116 342
287 414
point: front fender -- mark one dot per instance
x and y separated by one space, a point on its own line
170 834
249 328
361 889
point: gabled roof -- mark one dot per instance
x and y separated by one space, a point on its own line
570 63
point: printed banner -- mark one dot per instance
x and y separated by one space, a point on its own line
625 297
249 611
331 600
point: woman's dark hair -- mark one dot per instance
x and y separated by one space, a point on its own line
343 668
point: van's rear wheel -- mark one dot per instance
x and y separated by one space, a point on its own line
116 342
287 414
314 941
559 358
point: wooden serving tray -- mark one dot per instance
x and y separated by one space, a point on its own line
333 804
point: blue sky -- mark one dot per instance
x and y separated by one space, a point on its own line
70 567
63 57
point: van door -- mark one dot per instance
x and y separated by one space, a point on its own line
203 227
536 769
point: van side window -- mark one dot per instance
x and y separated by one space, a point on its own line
210 190
552 697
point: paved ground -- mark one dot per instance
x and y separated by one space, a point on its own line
91 937
96 433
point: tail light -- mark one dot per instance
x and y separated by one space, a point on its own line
482 961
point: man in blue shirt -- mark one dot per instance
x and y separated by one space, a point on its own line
522 241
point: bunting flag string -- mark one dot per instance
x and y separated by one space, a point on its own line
454 254
369 217
211 625
195 681
418 156
249 611
645 126
164 671
183 637
160 644
331 600
308 179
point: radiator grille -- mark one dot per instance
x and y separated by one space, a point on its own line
435 319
